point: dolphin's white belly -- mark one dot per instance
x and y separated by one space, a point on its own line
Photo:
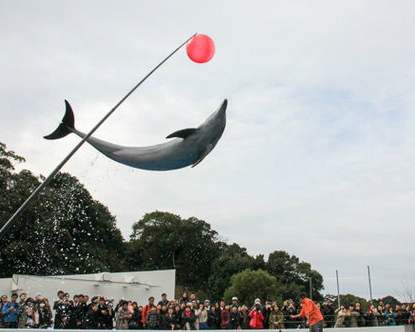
174 154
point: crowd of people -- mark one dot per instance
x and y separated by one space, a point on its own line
186 313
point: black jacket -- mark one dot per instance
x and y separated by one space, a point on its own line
234 320
91 320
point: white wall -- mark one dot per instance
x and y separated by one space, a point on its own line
135 286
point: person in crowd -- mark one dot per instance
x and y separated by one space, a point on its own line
256 316
171 320
153 319
146 309
207 304
244 317
213 318
405 314
311 312
57 322
28 314
105 313
192 298
352 317
381 316
184 299
91 320
371 316
11 311
361 319
341 317
188 318
411 320
276 318
135 322
2 303
221 307
266 310
45 314
178 310
123 316
224 318
390 317
22 299
164 301
202 317
63 312
234 318
327 311
234 302
80 310
289 310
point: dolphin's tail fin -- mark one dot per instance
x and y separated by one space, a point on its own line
67 125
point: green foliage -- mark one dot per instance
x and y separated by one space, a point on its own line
293 275
163 240
64 231
388 300
248 285
349 299
231 259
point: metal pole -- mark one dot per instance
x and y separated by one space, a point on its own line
370 284
338 289
311 288
34 194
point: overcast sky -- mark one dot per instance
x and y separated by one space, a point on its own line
318 155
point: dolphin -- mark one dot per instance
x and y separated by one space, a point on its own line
189 146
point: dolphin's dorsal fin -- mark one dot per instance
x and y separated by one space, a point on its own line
183 133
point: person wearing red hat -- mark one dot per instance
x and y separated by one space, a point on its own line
312 313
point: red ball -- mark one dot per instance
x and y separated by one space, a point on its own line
200 48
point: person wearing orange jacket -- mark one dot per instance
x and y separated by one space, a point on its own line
312 313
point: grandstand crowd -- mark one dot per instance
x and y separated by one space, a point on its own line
186 313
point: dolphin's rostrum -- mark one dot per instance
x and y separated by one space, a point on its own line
189 147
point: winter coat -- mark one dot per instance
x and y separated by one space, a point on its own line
256 319
234 320
188 320
170 320
341 318
390 318
135 322
45 318
213 319
91 319
153 320
353 318
11 312
122 319
224 319
276 320
244 320
202 315
27 316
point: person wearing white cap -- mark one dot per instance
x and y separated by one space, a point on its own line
234 302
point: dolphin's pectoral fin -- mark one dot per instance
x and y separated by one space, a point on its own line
203 154
184 133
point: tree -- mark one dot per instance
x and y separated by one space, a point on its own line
163 240
249 285
64 231
349 299
293 275
231 259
